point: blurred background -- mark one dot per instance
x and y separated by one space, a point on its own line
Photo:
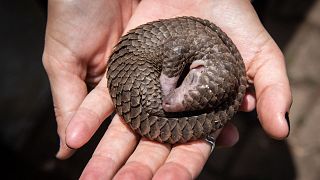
28 139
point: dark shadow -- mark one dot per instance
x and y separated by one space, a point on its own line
282 18
255 156
28 138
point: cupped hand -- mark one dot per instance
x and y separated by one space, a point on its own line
121 154
80 35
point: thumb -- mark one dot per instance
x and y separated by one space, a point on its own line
68 91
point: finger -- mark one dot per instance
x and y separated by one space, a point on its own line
68 91
95 108
185 161
113 150
144 161
272 90
249 102
228 137
66 104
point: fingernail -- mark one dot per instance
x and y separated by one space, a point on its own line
59 148
59 143
288 122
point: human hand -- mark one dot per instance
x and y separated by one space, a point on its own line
265 67
79 38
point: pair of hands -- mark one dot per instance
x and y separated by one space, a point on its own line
80 36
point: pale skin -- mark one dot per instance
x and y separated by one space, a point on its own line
80 36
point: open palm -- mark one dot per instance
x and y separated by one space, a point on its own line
79 37
120 153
